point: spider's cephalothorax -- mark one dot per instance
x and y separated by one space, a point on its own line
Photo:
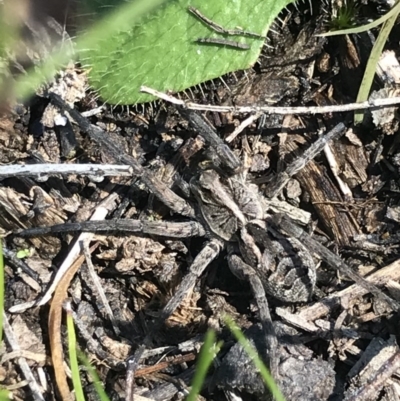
226 205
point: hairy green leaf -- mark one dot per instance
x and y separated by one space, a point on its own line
162 52
104 26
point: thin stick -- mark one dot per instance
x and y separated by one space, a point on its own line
47 169
324 306
96 280
218 28
131 367
224 42
244 124
23 364
369 104
375 384
55 317
100 213
163 365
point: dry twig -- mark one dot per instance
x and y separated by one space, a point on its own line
369 104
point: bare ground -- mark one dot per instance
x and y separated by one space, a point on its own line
344 334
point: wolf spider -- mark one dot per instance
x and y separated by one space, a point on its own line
231 213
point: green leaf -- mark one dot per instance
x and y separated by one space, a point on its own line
105 27
162 51
23 253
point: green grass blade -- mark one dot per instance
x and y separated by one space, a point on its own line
207 354
370 69
95 378
251 351
76 379
2 272
394 11
120 18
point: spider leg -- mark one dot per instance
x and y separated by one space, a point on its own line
223 153
154 184
159 228
245 272
209 252
280 180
